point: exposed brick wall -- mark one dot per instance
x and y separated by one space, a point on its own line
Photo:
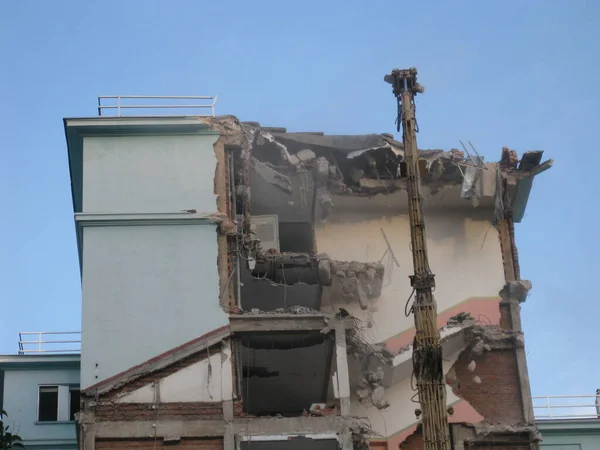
146 411
505 316
497 397
166 371
151 444
413 442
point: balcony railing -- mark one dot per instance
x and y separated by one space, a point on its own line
120 103
566 407
49 342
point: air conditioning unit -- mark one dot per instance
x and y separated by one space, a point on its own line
266 228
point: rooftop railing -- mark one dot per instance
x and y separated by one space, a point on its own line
49 342
121 103
550 407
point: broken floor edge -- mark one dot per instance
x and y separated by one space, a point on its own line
215 428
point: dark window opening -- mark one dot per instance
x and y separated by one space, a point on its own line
299 443
48 407
284 372
74 404
296 237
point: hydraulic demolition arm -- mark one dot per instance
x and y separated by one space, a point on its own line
427 351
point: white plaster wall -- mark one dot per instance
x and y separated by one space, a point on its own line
146 290
199 382
148 173
464 254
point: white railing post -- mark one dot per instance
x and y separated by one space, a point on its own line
549 409
38 342
119 103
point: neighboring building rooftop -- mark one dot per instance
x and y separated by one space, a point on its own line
568 421
49 342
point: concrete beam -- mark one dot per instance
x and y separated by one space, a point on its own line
148 428
213 428
341 368
284 322
289 426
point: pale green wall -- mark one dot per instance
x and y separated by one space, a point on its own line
20 402
570 434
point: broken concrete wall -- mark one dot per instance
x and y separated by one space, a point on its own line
464 253
492 375
266 294
398 420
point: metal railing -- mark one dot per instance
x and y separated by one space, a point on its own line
119 105
548 407
49 342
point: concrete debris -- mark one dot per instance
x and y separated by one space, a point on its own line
272 176
372 393
299 310
228 227
460 318
352 281
378 398
322 170
492 335
509 159
517 290
486 429
242 193
362 433
362 350
476 380
375 377
471 189
472 366
305 156
479 347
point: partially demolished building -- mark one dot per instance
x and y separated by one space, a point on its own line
245 287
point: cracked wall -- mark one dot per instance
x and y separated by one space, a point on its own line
466 240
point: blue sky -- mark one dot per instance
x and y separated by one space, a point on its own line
521 74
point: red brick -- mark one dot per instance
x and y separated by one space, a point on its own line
146 411
413 442
152 444
497 397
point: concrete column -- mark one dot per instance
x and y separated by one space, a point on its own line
89 439
513 294
347 440
227 380
343 378
229 437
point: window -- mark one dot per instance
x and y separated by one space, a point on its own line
48 408
73 402
58 403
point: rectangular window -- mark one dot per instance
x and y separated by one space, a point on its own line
48 408
74 402
58 403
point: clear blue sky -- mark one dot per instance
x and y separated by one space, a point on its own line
522 74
